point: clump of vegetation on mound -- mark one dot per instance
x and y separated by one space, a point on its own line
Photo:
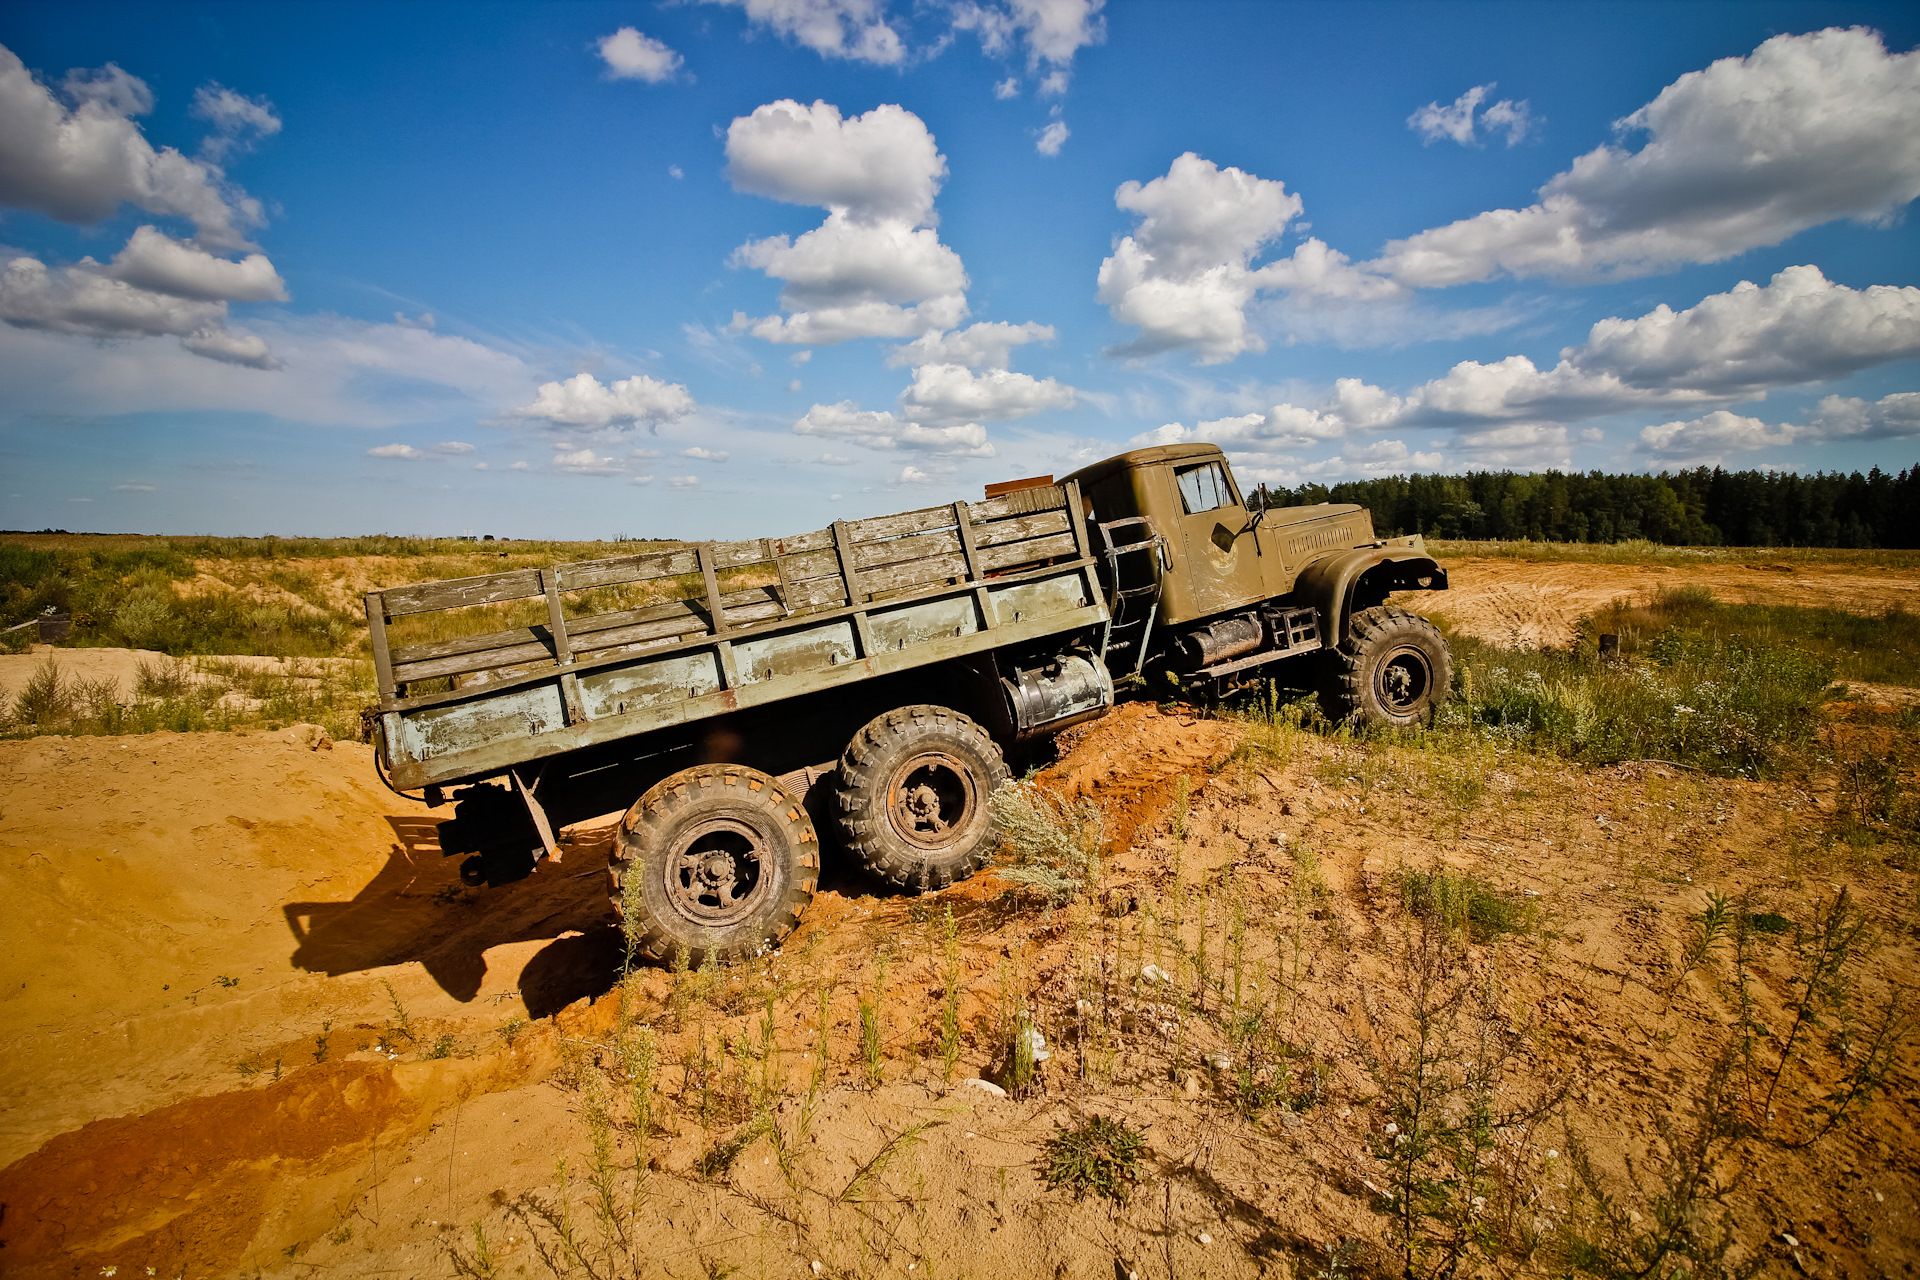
187 695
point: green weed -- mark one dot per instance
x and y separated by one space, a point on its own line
1056 845
1099 1156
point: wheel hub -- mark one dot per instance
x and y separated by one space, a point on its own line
932 799
717 873
1404 680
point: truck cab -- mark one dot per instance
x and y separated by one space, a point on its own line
1229 581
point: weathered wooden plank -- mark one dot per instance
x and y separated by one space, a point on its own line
1077 519
1018 527
583 575
716 608
818 540
1021 503
775 622
913 573
906 522
377 635
843 548
596 633
814 592
556 617
1002 558
970 548
456 593
894 550
813 564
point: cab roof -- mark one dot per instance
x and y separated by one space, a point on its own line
1167 453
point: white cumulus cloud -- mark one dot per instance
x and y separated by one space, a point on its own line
880 429
81 159
1800 327
232 346
855 30
584 462
706 455
584 401
951 394
1184 277
1051 31
629 55
1052 138
875 267
1808 129
1851 418
1710 438
84 301
238 121
155 261
987 344
394 451
1458 121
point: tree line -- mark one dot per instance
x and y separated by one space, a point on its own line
1702 507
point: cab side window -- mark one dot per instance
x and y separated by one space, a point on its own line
1203 488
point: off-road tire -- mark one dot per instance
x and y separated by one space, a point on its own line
1392 669
685 843
910 796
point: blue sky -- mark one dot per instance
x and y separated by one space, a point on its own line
723 269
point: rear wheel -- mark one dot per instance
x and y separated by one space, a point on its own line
910 798
718 858
1392 669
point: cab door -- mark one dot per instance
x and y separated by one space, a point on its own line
1222 554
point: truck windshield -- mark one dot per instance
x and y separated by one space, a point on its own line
1204 487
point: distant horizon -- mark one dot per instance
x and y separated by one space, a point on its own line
718 269
1907 476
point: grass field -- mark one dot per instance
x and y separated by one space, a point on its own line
1640 551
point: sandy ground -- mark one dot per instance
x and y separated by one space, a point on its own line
1526 603
255 1024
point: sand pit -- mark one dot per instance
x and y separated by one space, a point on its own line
256 1024
1516 602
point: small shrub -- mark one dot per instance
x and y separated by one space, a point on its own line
1460 900
1055 844
47 699
1100 1155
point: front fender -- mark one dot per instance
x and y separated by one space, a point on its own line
1329 583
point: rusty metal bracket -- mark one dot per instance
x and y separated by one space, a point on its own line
536 812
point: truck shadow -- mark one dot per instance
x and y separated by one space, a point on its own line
417 909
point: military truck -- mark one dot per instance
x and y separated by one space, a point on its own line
869 679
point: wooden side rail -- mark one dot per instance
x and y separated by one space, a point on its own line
885 557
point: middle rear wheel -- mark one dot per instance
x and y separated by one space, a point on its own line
910 798
718 858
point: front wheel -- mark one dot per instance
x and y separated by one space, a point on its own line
1392 669
716 859
911 796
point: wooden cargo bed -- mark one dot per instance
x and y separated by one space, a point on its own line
832 607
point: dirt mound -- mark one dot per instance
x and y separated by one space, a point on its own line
1130 761
1537 603
202 907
